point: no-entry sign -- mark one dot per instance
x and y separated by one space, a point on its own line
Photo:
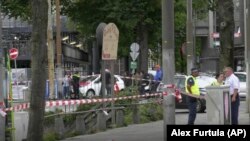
13 53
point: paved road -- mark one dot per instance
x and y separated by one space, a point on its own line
151 131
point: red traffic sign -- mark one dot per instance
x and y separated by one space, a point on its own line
13 53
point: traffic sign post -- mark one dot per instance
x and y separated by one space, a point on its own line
13 53
133 65
134 47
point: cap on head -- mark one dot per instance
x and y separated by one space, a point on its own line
194 70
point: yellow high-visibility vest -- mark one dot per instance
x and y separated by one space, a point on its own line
195 88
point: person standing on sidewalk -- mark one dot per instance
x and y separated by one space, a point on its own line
157 78
219 80
66 86
234 86
192 88
75 82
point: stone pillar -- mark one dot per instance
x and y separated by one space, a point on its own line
119 118
101 121
80 125
59 126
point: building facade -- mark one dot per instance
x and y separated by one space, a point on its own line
17 34
210 48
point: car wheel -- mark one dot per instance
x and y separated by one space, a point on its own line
90 94
201 106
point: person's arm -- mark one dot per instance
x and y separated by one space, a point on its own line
189 89
190 83
236 87
234 95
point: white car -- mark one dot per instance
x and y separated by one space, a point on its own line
242 77
90 86
204 81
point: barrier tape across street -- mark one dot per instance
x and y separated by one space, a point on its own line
25 106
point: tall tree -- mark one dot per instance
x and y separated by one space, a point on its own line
137 22
225 13
38 68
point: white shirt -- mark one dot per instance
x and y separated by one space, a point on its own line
233 82
66 80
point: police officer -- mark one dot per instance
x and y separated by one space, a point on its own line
192 88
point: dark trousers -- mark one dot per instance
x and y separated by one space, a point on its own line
65 91
192 103
235 110
155 85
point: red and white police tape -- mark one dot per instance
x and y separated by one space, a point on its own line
48 104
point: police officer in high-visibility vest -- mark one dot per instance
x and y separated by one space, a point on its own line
192 88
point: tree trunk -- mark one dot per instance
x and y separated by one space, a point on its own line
225 13
51 68
143 42
38 67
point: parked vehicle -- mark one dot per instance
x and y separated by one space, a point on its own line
179 82
242 77
90 86
203 81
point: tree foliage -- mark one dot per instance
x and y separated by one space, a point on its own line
127 15
17 8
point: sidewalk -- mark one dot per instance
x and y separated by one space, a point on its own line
201 118
154 130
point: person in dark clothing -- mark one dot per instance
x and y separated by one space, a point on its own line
145 81
75 83
127 79
108 81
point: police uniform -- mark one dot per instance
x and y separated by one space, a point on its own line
192 101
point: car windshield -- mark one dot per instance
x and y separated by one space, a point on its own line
241 77
179 81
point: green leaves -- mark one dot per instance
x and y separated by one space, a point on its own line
16 8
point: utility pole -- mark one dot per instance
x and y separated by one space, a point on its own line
247 49
168 61
51 69
58 48
2 119
168 58
190 45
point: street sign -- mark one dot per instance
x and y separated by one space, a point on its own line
13 53
134 55
133 65
217 35
110 42
134 47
